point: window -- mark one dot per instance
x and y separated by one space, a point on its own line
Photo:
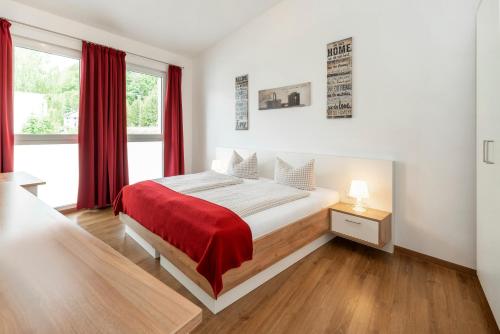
46 93
46 103
145 90
144 103
46 98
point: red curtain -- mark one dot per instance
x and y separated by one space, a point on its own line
6 100
173 138
102 129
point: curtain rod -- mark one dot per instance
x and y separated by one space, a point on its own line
79 39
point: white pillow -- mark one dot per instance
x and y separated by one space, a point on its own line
300 177
243 168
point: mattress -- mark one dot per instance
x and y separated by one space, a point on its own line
270 220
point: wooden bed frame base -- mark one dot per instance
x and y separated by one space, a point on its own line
272 254
231 296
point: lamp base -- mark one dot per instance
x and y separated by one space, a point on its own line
358 208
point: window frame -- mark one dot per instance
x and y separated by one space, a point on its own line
61 51
163 75
56 139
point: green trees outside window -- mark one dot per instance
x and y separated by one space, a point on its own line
47 89
143 103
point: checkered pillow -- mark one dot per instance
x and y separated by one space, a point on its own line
244 168
301 177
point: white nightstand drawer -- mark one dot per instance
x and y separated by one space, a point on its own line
356 227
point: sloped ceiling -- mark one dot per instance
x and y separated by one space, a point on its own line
183 26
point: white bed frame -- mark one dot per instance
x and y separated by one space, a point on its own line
332 172
226 299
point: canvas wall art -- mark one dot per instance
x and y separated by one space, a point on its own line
285 97
241 106
339 79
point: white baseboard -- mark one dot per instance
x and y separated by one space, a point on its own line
226 299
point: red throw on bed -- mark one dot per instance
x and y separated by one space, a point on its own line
213 236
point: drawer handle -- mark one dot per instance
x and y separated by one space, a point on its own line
352 221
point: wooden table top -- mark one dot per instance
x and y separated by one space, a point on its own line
57 278
372 214
21 178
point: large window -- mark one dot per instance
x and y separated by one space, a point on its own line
46 97
46 100
144 123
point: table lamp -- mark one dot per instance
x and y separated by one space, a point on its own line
359 190
218 166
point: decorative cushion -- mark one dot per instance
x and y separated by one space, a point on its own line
300 177
244 168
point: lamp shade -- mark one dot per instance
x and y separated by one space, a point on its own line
359 189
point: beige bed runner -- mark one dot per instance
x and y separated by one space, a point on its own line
191 183
249 198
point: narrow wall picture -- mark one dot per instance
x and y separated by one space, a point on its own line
241 107
285 97
339 79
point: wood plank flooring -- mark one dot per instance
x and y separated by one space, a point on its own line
342 287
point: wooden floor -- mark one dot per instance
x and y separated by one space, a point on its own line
340 288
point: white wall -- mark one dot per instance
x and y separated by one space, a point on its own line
38 18
414 102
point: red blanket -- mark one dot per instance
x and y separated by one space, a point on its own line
213 236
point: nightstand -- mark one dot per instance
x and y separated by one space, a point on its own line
371 228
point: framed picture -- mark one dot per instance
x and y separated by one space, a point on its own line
285 97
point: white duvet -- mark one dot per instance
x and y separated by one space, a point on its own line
264 205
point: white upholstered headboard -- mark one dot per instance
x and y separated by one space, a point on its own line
333 172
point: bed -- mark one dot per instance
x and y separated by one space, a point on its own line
281 235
